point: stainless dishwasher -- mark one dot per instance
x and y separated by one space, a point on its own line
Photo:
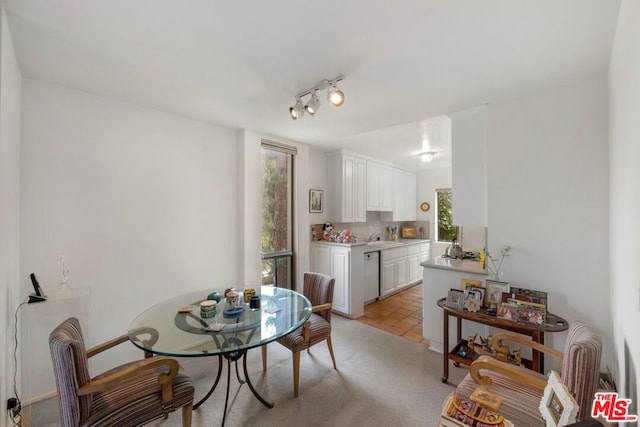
371 276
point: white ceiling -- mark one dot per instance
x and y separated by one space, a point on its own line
240 63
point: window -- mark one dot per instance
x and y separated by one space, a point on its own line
277 214
445 231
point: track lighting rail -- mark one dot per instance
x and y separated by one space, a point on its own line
334 95
321 85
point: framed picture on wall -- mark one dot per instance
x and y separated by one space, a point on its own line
316 201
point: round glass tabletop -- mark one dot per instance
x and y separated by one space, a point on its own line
177 327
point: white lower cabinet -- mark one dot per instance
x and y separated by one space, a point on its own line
336 262
394 270
401 266
340 272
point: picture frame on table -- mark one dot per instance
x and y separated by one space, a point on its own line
455 299
316 201
472 299
529 295
493 292
507 312
480 291
558 407
530 312
467 283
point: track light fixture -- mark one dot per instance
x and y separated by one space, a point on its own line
297 110
427 156
334 95
314 103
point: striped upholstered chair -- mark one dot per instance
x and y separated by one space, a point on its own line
522 389
319 289
128 395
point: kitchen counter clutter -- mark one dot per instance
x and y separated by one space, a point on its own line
376 245
462 265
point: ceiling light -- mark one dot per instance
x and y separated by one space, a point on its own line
334 95
314 104
297 110
427 156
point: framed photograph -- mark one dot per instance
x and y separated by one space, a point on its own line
455 299
466 283
316 201
530 312
529 295
472 299
478 290
558 407
493 292
507 312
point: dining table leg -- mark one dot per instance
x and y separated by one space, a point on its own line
215 383
250 384
445 348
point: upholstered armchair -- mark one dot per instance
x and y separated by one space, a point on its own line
522 389
319 289
128 395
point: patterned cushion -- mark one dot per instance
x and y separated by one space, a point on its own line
138 401
71 371
581 366
319 330
520 404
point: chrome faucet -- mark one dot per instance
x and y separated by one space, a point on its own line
374 236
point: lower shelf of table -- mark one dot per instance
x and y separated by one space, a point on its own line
470 355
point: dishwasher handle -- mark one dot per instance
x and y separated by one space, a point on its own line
370 256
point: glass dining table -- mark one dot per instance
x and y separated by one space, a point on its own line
177 327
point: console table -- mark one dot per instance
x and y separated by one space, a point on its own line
536 332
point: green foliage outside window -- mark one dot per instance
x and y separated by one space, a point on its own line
275 201
447 232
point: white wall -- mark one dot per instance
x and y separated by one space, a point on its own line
317 170
624 203
547 168
143 204
10 87
429 180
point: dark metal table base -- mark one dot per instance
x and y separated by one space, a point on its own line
233 357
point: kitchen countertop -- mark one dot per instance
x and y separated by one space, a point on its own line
464 265
379 245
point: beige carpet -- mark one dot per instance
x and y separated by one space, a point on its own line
382 380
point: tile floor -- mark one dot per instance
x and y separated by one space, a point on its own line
400 314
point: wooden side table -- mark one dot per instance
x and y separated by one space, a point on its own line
536 332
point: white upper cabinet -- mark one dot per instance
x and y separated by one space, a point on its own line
379 187
405 197
347 187
469 178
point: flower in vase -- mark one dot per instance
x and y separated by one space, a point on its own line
496 269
